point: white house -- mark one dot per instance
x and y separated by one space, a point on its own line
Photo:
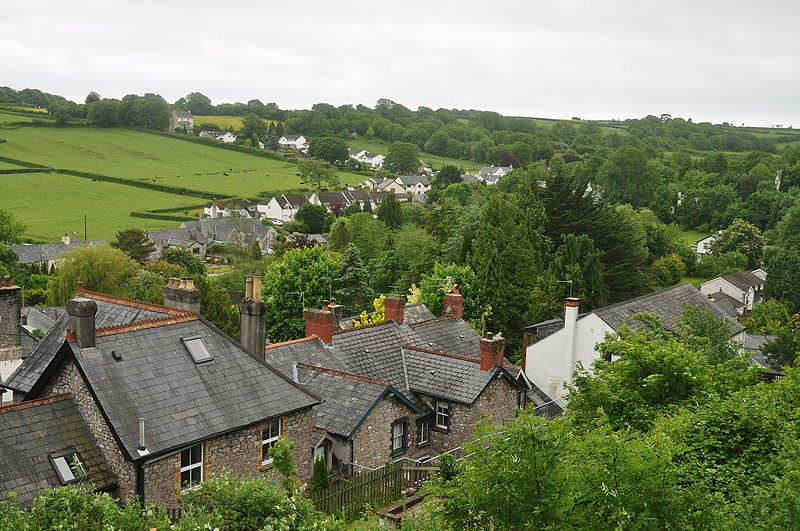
743 288
373 160
281 207
492 174
236 208
411 184
228 137
703 246
553 349
293 142
181 120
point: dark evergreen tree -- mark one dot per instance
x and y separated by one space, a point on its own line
134 243
352 282
389 212
578 260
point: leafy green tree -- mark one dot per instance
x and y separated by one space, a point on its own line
184 258
712 265
134 243
784 350
253 125
352 282
353 208
370 235
389 212
315 173
301 276
330 149
667 270
742 237
101 268
147 286
105 113
628 177
767 317
320 478
788 228
11 229
199 104
313 217
402 158
783 282
339 237
385 271
417 248
434 285
92 97
578 260
216 306
449 174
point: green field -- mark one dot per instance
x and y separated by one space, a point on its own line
376 145
8 166
690 237
8 118
51 204
142 156
222 122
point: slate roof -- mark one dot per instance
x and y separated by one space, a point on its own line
727 303
451 377
446 334
414 313
408 180
31 432
42 317
30 253
293 200
753 346
466 178
110 311
743 280
352 152
186 115
291 137
348 398
181 401
309 350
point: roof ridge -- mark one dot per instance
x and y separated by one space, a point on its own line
430 321
640 297
290 342
441 353
371 325
34 403
136 325
343 374
132 303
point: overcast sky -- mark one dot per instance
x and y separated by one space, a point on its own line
710 60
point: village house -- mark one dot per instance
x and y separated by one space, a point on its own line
373 160
196 236
153 386
239 208
45 255
492 174
282 207
294 143
703 246
182 120
553 349
409 184
737 291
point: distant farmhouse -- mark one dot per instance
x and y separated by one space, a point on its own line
294 142
492 174
45 255
181 120
373 160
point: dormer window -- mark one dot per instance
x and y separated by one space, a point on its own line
68 466
197 349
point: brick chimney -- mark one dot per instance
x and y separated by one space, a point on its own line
81 321
337 311
394 308
492 351
320 323
181 294
454 303
571 307
252 318
9 313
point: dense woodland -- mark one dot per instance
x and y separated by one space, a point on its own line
678 432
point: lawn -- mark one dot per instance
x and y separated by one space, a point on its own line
8 118
52 204
690 237
142 156
376 145
9 166
695 281
223 122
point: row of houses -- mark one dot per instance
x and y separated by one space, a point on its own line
145 400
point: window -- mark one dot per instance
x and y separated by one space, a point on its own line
399 441
442 415
192 466
68 466
423 433
272 430
197 349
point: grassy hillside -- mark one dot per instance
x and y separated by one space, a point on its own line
52 204
141 156
223 122
376 145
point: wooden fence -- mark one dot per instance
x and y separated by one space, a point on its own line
375 487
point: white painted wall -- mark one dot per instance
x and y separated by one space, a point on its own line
718 284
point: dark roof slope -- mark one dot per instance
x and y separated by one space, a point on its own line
446 334
667 303
31 432
30 253
309 350
743 280
181 401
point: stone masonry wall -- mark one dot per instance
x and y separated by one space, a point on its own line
498 401
372 443
67 379
9 317
238 453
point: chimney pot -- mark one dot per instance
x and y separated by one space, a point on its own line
252 320
453 303
394 308
82 320
257 286
181 293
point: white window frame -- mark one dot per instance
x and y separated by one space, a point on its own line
68 466
443 410
403 435
423 432
269 442
191 466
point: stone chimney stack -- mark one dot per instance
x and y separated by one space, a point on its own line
10 309
454 303
81 321
492 351
252 318
394 308
65 239
571 307
320 323
181 294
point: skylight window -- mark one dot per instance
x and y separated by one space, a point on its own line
68 466
197 349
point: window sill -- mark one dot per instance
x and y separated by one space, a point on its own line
397 453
